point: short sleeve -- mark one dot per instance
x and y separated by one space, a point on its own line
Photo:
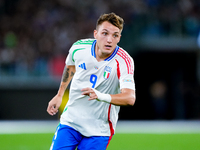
69 60
127 74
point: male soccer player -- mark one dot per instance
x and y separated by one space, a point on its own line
102 82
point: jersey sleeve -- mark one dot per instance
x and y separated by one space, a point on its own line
127 74
69 60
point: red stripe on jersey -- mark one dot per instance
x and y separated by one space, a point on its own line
118 70
111 126
127 59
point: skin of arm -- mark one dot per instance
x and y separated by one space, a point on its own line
125 98
56 101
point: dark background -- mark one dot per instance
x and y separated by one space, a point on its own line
35 37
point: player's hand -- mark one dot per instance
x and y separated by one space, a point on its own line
54 104
94 94
89 92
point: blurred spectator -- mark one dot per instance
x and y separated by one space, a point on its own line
56 65
35 36
158 92
32 31
198 40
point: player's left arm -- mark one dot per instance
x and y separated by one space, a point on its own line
125 98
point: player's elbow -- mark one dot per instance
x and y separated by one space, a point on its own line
131 100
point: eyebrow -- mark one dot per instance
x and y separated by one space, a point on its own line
108 31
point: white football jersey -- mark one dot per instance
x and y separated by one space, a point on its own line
95 118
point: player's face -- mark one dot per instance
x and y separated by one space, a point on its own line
107 36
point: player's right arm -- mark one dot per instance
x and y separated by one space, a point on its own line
56 101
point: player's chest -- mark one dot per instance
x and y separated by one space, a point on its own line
89 65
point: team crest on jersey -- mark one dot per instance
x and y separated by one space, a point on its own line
107 72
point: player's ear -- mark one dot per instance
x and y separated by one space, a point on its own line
119 38
95 34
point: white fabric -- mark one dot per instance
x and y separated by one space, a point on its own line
103 97
95 118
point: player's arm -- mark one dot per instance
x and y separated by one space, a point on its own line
125 98
56 101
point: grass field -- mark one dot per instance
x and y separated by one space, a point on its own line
130 135
119 142
155 142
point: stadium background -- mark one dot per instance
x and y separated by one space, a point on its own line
161 36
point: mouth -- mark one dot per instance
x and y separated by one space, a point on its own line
108 46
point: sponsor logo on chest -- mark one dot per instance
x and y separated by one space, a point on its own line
107 71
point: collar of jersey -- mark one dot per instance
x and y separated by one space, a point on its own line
107 59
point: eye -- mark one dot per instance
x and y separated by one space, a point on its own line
104 33
115 35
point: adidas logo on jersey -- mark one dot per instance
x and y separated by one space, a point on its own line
82 66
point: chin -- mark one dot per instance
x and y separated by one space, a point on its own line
107 52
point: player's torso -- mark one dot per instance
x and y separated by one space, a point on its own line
91 117
91 73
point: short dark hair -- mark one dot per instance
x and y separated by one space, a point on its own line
111 18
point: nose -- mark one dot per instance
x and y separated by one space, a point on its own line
109 39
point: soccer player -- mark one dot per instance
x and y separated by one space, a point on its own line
102 82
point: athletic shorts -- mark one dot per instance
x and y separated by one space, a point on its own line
67 138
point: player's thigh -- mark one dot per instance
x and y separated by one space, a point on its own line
65 138
94 143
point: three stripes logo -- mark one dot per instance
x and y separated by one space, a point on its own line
83 66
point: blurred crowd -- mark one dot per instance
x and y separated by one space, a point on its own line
35 35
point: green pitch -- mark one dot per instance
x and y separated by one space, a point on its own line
119 141
155 142
25 141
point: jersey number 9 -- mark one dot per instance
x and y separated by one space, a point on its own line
93 80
